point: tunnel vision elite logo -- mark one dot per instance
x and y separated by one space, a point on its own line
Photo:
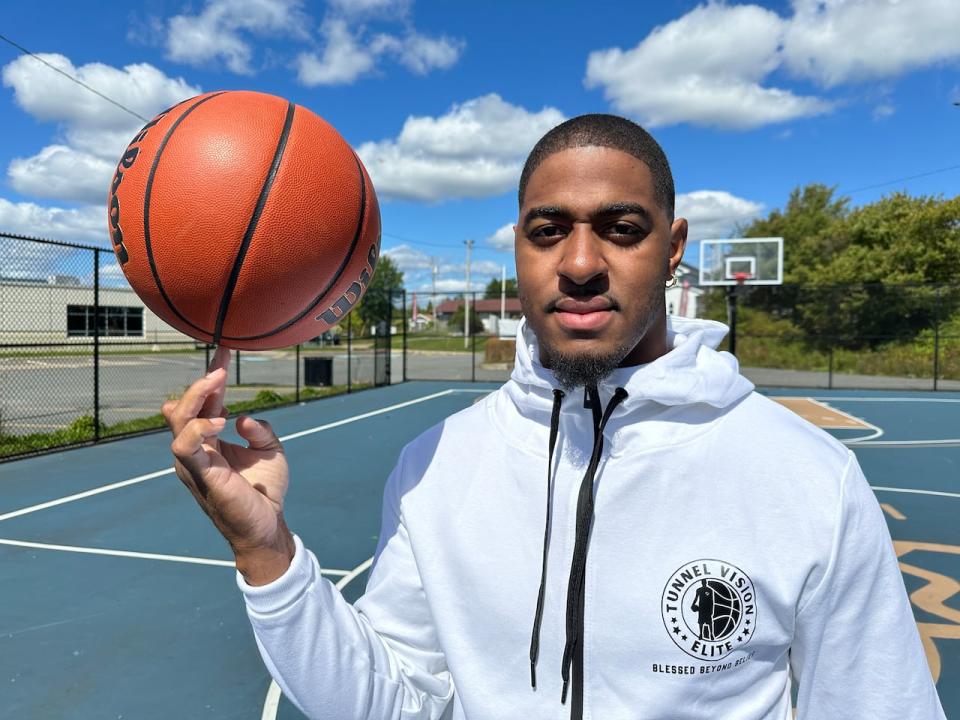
709 609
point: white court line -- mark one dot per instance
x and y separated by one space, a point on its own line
917 492
272 701
877 432
948 442
141 555
169 471
887 399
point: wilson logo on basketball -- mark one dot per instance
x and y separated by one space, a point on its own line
709 609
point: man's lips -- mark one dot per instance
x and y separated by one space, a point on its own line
583 314
583 306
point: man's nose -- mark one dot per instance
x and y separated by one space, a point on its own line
583 258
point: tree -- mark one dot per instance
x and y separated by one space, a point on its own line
375 306
492 291
456 320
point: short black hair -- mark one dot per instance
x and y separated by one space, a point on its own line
612 131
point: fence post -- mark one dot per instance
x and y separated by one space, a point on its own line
349 350
296 395
936 340
238 366
96 345
830 370
404 291
473 343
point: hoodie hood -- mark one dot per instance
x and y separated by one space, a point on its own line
692 372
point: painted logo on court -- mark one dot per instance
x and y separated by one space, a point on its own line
709 609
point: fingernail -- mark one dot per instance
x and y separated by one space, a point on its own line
218 421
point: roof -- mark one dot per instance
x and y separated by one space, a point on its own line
491 306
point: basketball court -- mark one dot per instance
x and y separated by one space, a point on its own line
120 598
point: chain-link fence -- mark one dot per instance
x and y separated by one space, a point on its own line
82 358
459 336
866 336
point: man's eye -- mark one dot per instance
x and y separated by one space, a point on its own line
624 228
547 231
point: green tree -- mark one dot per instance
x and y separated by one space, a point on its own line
456 320
385 286
492 291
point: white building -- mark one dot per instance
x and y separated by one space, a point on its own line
682 298
59 309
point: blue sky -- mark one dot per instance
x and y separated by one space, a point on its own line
444 99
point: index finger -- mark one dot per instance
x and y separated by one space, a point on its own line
221 359
213 404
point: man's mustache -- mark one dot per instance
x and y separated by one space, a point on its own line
551 305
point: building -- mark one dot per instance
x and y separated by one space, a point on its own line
60 309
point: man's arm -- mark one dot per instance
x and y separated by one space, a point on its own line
856 651
378 660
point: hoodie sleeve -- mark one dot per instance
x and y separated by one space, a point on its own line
856 651
377 660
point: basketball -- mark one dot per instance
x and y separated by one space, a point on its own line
244 220
726 609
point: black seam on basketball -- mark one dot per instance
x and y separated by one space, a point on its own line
340 270
146 209
252 226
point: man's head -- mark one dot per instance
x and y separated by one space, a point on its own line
595 242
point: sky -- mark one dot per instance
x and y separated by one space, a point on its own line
443 101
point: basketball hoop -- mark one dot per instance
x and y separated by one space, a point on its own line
742 277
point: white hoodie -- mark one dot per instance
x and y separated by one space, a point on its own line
732 544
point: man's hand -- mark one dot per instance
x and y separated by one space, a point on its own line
240 488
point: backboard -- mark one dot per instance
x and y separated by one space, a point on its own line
747 261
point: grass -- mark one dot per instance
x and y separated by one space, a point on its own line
439 343
83 430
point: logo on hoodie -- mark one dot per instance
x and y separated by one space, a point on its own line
709 609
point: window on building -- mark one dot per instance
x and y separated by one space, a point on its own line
114 321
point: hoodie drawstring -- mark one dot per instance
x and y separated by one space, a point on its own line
573 651
535 638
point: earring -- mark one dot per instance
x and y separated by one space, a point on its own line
672 282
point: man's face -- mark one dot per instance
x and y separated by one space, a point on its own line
593 251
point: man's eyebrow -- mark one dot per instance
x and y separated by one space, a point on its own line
551 212
623 209
546 211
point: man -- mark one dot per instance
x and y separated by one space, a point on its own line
542 551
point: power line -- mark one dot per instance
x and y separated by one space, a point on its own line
72 78
898 180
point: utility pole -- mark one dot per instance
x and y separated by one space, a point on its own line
503 292
466 299
434 270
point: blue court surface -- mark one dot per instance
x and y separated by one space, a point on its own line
119 598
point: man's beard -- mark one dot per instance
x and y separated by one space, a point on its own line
573 371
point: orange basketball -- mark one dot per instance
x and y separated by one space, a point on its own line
244 220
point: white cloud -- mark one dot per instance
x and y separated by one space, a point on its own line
94 132
502 239
474 150
883 110
704 68
363 7
712 65
838 41
218 31
347 55
421 54
343 59
714 213
409 259
83 225
49 96
61 172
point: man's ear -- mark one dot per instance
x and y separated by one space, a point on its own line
678 242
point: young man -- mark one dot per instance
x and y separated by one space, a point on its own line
633 533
